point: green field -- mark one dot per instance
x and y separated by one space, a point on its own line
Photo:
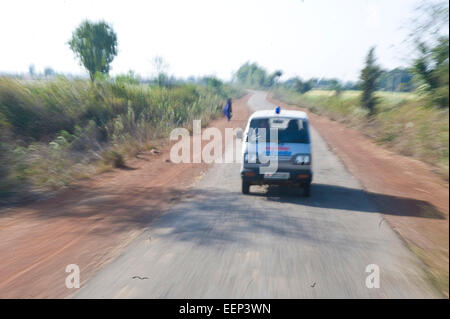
388 98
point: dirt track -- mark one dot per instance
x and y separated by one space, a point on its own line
92 223
272 243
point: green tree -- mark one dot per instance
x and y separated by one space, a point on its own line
431 70
252 75
301 86
431 67
213 82
369 76
95 44
161 67
336 86
49 72
271 80
398 79
32 70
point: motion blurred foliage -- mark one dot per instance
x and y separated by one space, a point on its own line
216 86
396 80
302 86
55 131
251 75
403 122
431 38
369 77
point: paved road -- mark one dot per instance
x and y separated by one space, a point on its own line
273 243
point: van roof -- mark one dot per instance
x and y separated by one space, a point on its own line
283 113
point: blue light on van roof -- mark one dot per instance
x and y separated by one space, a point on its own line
277 110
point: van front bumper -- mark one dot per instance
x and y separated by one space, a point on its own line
296 177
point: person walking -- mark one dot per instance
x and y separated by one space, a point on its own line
228 111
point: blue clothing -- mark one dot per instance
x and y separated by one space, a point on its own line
227 111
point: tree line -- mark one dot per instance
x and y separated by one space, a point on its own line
253 75
427 75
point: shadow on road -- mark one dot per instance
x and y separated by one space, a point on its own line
344 198
214 217
203 208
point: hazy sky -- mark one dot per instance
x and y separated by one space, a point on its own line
308 38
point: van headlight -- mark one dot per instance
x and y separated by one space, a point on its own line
250 158
302 159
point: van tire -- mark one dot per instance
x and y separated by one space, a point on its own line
245 187
307 190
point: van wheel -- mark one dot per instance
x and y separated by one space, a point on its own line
245 187
307 190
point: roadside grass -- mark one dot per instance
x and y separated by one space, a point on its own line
436 272
55 132
404 122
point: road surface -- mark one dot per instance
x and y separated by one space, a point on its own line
272 243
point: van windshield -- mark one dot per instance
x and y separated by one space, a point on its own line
289 130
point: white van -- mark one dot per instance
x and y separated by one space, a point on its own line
280 139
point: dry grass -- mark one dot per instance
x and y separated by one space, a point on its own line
404 122
55 132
